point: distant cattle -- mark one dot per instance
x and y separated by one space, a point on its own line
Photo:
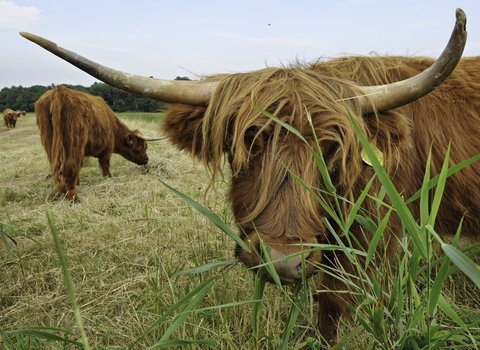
19 113
10 117
6 117
408 107
74 125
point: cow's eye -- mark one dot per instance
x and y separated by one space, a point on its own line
255 141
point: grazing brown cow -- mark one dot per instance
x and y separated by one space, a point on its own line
74 125
6 117
19 113
398 103
9 118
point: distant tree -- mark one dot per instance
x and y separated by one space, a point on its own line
77 88
24 98
20 97
182 78
121 101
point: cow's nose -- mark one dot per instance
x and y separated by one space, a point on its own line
289 270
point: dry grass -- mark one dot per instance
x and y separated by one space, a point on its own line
124 243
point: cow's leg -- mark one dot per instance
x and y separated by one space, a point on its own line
72 176
60 186
104 161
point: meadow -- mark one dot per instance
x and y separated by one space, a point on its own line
147 270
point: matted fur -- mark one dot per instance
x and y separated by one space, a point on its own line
270 205
74 125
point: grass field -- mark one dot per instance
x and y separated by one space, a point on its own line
125 244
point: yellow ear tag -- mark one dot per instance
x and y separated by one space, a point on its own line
375 150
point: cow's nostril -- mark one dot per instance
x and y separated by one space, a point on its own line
291 269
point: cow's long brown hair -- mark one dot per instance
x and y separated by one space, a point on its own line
231 125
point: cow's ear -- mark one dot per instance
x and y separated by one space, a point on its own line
131 139
183 126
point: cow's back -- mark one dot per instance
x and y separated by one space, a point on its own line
448 115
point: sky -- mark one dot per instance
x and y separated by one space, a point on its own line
171 38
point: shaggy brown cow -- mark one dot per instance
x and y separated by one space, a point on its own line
9 118
19 113
215 117
6 117
74 125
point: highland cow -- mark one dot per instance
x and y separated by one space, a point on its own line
406 106
9 118
74 125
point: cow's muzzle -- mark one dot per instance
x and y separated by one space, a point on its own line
289 262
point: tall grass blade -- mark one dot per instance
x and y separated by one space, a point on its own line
425 194
433 182
268 264
170 343
187 309
210 216
322 166
464 263
258 295
68 280
202 288
6 236
352 216
436 289
395 197
442 179
318 156
37 334
295 308
330 211
450 312
378 234
206 267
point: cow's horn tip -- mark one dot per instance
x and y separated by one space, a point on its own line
461 17
28 36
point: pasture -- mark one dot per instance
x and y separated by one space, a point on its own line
126 244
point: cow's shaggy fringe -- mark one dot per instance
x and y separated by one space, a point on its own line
324 89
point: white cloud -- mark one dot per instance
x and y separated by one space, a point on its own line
18 17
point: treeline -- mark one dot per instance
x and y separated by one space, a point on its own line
24 99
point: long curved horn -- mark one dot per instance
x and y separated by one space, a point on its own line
389 96
195 93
